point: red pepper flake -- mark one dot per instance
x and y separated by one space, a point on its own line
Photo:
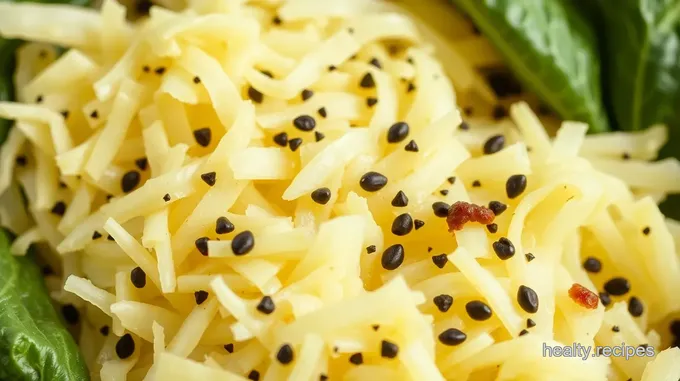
583 296
462 212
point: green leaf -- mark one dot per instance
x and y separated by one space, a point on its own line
551 47
643 37
34 345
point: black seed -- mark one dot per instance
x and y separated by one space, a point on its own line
110 238
674 327
146 68
646 230
523 332
443 302
410 60
402 224
411 87
605 299
285 354
104 330
318 136
138 277
388 349
94 114
20 160
356 359
200 297
367 81
353 57
197 80
418 223
202 245
527 299
452 336
306 94
625 156
125 346
281 139
400 200
209 178
243 243
617 286
372 181
392 257
229 348
332 68
492 228
411 146
47 270
277 20
267 73
166 197
530 323
530 257
478 310
499 112
223 225
371 101
96 235
503 248
615 328
497 207
266 305
374 61
254 95
464 126
160 70
476 184
440 260
444 192
59 208
397 132
321 196
65 114
635 306
441 209
142 163
203 136
592 265
375 327
323 377
451 180
515 185
130 181
71 314
304 123
494 144
322 112
294 144
39 99
370 249
255 375
504 84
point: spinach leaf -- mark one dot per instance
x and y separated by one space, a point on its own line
33 343
643 39
551 47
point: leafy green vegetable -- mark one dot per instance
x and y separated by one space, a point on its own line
33 343
552 48
643 38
